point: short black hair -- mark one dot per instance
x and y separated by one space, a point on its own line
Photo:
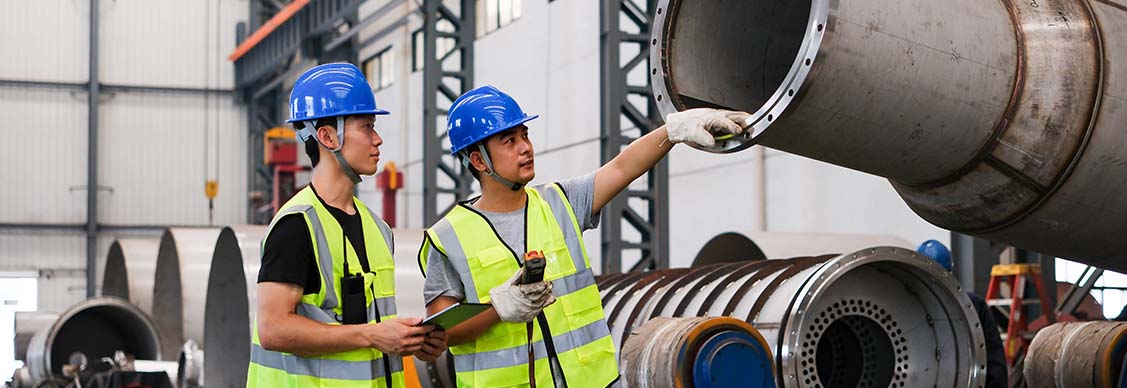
311 145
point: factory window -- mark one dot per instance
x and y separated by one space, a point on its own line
418 42
380 69
494 14
418 56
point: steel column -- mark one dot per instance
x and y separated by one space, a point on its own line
632 104
445 77
92 157
973 258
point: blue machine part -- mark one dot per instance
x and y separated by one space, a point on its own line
733 359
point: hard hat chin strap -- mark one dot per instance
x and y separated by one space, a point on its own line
310 130
489 169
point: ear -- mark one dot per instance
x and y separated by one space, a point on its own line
327 135
478 161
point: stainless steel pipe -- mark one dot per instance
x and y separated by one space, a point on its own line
231 299
878 317
130 267
91 330
1003 119
183 265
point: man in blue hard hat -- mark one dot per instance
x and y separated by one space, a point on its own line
326 294
997 373
476 251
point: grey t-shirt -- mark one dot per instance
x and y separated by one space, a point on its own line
443 280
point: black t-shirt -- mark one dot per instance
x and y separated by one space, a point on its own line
287 255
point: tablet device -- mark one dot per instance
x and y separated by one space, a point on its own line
455 314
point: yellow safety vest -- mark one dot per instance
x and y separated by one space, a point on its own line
576 325
356 368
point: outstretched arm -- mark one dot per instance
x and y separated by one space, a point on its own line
694 125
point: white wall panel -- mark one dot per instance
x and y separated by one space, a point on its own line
169 43
804 195
153 157
708 195
43 154
58 256
45 40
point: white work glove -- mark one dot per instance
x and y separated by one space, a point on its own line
701 125
521 302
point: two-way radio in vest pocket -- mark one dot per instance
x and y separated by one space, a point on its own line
353 308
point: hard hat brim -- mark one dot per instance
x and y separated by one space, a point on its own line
504 128
377 112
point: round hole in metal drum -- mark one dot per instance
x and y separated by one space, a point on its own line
855 351
762 41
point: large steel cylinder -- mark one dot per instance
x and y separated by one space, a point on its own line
731 247
91 330
1002 119
183 265
130 266
27 324
696 352
231 296
880 317
1077 355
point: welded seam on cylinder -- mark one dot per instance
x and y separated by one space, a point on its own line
1113 4
720 271
669 276
622 283
1007 116
628 294
1082 146
800 264
771 267
744 270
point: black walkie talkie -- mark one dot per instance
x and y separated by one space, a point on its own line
352 306
534 264
533 272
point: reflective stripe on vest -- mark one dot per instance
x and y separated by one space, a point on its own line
580 336
360 367
323 367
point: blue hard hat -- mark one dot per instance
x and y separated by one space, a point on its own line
329 90
481 113
936 251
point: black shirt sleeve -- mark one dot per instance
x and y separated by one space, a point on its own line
287 256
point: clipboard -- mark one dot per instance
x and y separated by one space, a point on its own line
456 314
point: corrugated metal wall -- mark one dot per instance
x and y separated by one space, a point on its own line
156 148
153 151
44 40
44 154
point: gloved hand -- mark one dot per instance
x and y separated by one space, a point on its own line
701 125
516 302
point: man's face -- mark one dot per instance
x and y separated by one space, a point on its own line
511 153
362 144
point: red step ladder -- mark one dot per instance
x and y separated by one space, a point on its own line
1018 336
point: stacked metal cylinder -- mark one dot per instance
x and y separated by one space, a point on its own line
1078 355
880 317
